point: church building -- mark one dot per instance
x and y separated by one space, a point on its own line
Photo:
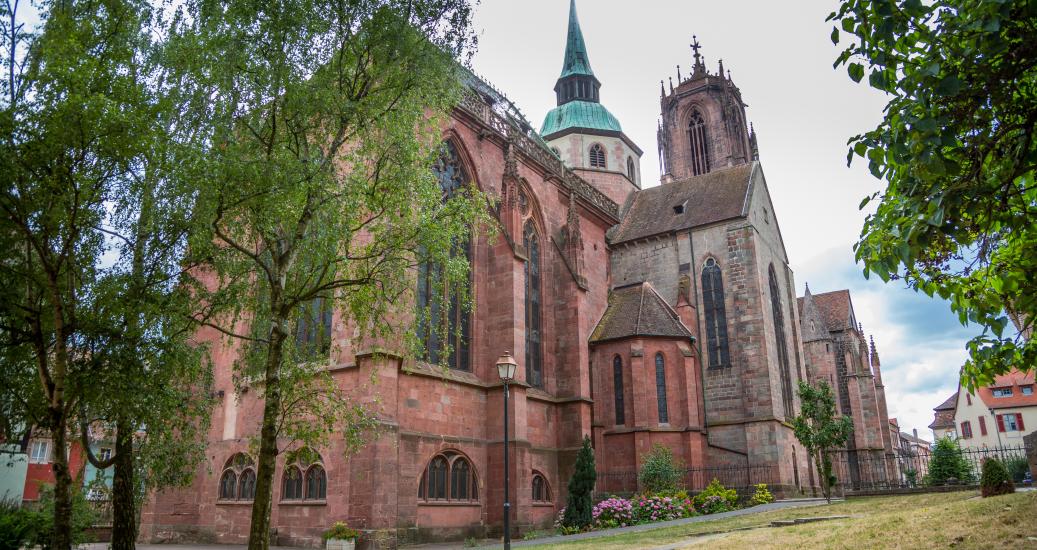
639 314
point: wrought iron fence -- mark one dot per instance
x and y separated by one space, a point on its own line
740 478
876 470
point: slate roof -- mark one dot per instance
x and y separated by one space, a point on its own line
949 404
944 417
576 60
579 114
638 310
836 309
709 198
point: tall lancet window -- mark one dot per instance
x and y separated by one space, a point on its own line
534 350
597 156
631 170
779 340
617 388
698 142
715 315
441 313
660 388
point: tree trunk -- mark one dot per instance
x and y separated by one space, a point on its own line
124 504
259 533
819 464
61 538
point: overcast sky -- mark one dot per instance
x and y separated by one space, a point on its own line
780 56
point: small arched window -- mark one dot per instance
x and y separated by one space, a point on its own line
541 493
617 388
660 388
449 476
715 315
534 349
291 484
247 485
698 144
597 156
631 170
238 480
316 483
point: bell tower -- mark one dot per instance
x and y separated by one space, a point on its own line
703 124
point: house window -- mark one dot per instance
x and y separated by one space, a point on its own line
968 399
238 481
982 425
779 341
441 314
313 333
617 388
698 143
1011 422
715 315
540 490
597 156
631 170
534 349
1002 392
660 388
1026 390
40 452
449 477
105 454
966 430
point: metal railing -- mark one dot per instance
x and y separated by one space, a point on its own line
740 478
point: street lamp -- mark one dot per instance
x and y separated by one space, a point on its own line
506 366
1000 450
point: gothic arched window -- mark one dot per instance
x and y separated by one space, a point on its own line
313 331
715 315
597 156
617 387
291 483
441 312
534 349
660 388
541 493
449 476
247 485
316 483
238 480
229 485
779 340
631 170
698 143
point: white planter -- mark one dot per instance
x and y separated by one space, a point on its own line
340 544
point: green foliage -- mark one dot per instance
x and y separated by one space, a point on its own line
956 148
912 477
340 530
1017 467
579 505
995 479
819 430
40 517
660 472
16 525
947 462
728 498
761 495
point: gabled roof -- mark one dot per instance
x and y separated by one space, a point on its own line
712 197
576 60
913 439
944 417
638 310
836 309
1014 380
949 404
813 325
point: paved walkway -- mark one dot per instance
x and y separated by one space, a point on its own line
791 503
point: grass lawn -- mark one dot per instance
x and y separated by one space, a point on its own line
938 520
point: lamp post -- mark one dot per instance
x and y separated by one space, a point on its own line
506 366
1000 446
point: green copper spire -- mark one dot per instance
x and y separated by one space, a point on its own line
576 61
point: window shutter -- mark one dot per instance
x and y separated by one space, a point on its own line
983 425
1001 423
1019 418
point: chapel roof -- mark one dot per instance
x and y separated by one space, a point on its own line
638 310
576 60
699 200
836 309
579 114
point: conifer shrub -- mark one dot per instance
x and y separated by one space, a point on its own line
661 472
995 480
761 495
579 506
947 464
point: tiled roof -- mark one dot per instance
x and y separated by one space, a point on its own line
949 404
638 310
913 439
579 114
943 419
712 197
1014 380
836 309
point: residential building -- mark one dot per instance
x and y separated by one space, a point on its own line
997 415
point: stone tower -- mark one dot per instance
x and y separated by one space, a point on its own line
703 125
582 132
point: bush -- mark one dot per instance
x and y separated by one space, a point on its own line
1017 467
613 512
761 495
947 463
578 510
713 504
660 471
16 525
995 480
661 508
41 518
912 477
339 530
729 497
